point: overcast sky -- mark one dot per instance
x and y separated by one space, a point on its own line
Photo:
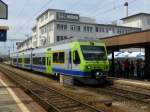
23 13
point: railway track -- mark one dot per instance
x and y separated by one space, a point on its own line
122 93
52 100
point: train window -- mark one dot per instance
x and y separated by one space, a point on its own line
19 60
76 59
14 60
43 60
59 57
37 60
70 57
55 57
27 60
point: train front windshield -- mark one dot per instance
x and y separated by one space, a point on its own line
92 53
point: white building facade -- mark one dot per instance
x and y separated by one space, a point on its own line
55 25
140 20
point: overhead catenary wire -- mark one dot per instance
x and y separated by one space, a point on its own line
111 9
32 17
101 6
103 13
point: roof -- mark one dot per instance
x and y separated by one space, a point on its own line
135 15
136 39
57 10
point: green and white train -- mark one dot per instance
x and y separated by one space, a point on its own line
80 58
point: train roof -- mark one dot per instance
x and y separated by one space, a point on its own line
85 39
40 50
44 49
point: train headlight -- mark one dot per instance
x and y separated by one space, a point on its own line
97 73
89 67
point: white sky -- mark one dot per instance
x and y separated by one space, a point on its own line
23 13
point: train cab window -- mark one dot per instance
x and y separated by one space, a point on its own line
76 59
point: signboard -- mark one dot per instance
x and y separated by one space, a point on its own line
3 34
67 16
3 10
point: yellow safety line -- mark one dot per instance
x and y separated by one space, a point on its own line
17 100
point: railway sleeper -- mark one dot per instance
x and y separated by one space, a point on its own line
67 105
75 109
61 101
60 106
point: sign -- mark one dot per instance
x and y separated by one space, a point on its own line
67 16
3 34
3 10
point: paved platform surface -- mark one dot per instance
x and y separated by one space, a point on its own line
13 99
131 82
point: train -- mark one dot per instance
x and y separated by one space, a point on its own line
81 58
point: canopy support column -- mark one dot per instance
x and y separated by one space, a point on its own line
147 62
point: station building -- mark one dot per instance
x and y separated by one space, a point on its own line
55 25
139 20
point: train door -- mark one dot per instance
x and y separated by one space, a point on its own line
75 59
48 61
22 59
70 60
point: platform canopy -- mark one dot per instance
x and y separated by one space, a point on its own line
137 55
127 55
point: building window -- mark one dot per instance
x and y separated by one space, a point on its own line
46 15
65 27
79 29
58 38
61 38
65 37
58 26
84 28
61 27
72 27
96 29
87 29
91 29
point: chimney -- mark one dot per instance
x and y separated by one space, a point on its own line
126 9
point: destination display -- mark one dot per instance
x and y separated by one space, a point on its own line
67 16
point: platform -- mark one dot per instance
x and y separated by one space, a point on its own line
131 82
13 99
